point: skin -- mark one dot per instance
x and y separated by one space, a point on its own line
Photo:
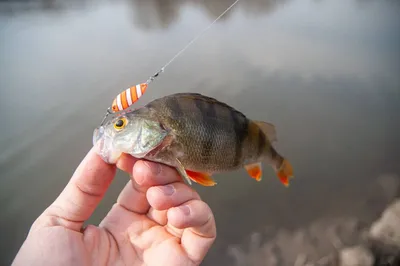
157 220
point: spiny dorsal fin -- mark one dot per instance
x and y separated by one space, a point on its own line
268 129
208 99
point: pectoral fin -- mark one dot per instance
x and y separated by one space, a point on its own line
254 170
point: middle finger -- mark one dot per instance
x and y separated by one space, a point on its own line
171 195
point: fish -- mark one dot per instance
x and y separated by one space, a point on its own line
198 135
128 97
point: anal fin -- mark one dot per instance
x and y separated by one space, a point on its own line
254 170
285 172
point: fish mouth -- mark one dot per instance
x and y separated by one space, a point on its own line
103 146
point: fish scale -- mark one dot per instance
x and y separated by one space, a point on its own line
207 135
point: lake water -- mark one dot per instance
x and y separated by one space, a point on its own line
325 72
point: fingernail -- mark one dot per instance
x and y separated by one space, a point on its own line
155 168
168 190
139 179
185 209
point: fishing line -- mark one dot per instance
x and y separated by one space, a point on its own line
190 43
153 77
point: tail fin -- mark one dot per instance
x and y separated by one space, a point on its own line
285 172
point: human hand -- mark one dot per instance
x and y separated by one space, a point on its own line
157 220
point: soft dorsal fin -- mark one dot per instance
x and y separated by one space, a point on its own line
268 129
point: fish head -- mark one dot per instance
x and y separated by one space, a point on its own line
135 134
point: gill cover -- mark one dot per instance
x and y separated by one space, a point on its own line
131 133
144 135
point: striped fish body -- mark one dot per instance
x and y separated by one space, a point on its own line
207 136
196 134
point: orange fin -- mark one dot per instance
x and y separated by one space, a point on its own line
201 178
254 170
285 172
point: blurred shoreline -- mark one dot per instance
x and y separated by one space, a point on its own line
342 241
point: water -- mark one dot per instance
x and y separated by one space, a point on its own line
325 72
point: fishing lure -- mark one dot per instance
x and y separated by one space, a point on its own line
131 95
128 97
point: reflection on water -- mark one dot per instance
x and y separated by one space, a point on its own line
155 14
149 14
324 72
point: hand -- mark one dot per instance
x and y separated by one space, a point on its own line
157 220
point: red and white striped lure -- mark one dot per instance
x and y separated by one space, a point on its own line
128 97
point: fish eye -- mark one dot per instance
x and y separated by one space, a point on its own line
120 123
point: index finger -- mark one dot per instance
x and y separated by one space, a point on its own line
83 193
144 174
